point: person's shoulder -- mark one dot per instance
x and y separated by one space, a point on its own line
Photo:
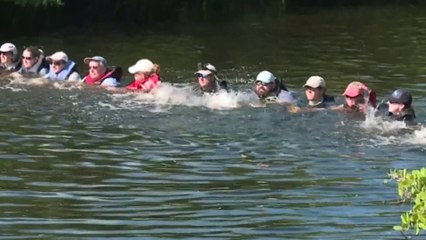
287 96
116 73
74 76
110 81
328 102
410 121
223 84
328 99
409 117
43 71
155 77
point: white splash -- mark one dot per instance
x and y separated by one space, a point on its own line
107 105
168 95
394 132
18 79
165 96
67 85
418 137
378 123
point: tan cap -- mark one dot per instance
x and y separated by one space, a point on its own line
58 56
315 82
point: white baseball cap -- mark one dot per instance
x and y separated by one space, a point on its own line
143 65
58 56
204 72
265 77
9 47
315 82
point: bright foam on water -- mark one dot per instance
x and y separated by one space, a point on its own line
418 137
378 123
394 132
167 94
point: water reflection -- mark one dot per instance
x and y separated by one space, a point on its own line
84 162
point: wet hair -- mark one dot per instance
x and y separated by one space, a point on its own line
156 69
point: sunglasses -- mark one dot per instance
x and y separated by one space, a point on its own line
57 63
27 58
93 67
262 83
4 53
199 75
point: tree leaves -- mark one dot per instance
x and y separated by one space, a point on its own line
412 188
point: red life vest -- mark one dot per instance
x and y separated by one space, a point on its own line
88 80
139 85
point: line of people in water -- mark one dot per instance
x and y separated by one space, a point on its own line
58 66
359 98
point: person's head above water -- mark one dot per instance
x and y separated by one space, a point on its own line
206 77
401 96
315 89
8 53
58 61
207 66
399 104
98 66
142 67
31 56
358 96
265 84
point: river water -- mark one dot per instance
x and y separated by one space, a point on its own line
87 163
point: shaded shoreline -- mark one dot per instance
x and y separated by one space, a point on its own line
33 17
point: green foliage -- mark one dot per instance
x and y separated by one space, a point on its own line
412 188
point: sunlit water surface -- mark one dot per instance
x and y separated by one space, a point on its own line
86 162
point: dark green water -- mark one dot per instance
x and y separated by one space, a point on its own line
85 163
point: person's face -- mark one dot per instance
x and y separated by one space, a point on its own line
314 94
206 81
354 102
27 60
263 89
140 76
96 70
57 66
395 108
6 57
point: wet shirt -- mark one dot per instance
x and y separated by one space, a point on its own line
407 115
282 97
326 102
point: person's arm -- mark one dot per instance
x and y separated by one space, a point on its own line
338 108
148 86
